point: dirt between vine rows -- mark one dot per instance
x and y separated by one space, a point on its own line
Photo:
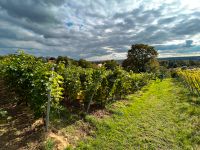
19 130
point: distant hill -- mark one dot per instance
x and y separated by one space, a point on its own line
195 58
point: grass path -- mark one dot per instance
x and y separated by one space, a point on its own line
161 116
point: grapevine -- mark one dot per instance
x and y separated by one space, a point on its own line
191 79
31 79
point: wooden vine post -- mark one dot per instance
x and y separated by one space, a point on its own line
49 98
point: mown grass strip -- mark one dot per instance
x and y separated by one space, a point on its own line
161 116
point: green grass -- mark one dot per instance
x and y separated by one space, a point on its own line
162 115
49 145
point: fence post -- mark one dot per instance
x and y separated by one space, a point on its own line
48 104
48 109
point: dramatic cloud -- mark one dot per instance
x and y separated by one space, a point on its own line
99 29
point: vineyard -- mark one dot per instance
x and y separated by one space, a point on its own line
119 108
191 79
99 75
31 78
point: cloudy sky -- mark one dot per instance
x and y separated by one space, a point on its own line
99 29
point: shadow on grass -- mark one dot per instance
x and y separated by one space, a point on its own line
70 114
192 98
190 105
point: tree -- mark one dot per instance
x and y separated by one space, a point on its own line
111 64
86 64
152 66
1 57
139 56
63 59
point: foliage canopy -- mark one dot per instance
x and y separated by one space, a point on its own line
139 56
